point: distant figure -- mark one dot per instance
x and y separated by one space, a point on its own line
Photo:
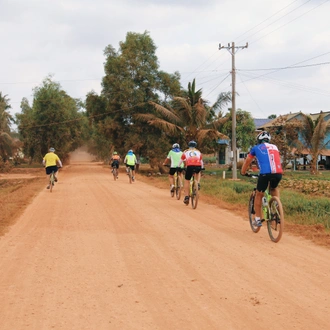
50 162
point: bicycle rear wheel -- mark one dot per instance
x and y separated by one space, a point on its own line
114 172
178 188
251 211
194 195
275 223
51 182
130 175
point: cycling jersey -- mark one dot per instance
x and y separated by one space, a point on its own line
268 158
192 157
175 155
50 159
130 159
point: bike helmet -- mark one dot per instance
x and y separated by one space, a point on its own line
115 153
130 151
263 136
192 144
176 145
51 149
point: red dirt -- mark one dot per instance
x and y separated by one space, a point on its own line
103 254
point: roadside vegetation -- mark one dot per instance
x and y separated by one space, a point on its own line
305 201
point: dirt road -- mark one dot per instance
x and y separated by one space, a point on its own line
99 254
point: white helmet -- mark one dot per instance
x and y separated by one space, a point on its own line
176 145
263 136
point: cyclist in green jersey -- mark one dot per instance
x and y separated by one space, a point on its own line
130 161
174 157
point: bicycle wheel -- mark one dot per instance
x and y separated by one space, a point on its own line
130 175
51 182
275 223
178 188
251 211
172 190
114 172
194 195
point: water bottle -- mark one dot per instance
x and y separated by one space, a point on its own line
264 201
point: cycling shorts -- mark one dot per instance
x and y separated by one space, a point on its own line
174 169
264 179
131 166
190 170
115 163
51 169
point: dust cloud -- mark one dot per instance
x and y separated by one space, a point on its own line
81 155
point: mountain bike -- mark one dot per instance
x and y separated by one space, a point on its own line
129 173
115 172
177 184
51 181
194 189
272 212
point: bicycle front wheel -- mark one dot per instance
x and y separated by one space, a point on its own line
275 223
251 211
194 195
178 188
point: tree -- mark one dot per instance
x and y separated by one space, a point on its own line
313 135
132 79
284 135
53 120
245 129
6 142
187 118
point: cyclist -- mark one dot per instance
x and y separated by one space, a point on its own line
269 161
115 161
50 162
193 160
130 161
174 157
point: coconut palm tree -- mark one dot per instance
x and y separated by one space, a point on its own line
189 117
5 120
313 134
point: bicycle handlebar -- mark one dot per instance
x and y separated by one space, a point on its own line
249 175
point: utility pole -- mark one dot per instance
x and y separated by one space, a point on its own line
232 50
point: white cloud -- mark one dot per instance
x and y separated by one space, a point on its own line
68 37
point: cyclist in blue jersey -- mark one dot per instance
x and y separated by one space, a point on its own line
269 162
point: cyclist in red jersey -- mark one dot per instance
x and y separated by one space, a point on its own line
193 160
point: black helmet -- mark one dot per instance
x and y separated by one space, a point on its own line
263 136
192 144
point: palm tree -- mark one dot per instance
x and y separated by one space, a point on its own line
189 117
5 120
313 134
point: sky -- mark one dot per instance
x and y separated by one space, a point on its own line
285 68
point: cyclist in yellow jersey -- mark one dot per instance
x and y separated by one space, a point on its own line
50 161
130 161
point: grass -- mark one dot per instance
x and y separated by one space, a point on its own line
300 206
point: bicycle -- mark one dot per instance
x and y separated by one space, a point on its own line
115 172
129 173
51 181
177 185
194 190
272 211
